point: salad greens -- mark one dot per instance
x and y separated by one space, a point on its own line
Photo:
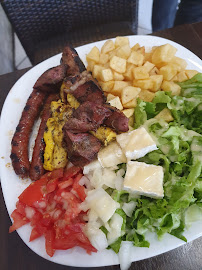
180 154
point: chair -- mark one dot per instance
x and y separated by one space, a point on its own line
44 27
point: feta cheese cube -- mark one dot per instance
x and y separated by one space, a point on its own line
111 155
144 179
136 144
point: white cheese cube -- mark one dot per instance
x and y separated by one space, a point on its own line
102 203
144 179
111 155
136 144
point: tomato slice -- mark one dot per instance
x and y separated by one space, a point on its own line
71 172
33 192
51 185
80 190
49 237
18 221
35 234
58 173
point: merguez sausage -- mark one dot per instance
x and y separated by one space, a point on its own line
36 167
20 141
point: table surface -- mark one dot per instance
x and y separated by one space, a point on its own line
16 255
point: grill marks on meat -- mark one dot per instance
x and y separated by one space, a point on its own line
20 141
71 59
89 116
84 88
51 80
36 167
82 147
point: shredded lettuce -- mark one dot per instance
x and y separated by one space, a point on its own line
180 154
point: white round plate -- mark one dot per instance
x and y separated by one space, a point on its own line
13 186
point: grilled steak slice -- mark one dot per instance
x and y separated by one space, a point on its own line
89 116
82 148
84 88
117 120
72 60
51 80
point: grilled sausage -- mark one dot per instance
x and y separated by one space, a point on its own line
36 167
20 141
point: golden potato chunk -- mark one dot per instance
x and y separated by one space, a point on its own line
121 41
131 104
163 54
179 61
154 71
146 95
118 76
106 75
168 71
135 47
97 71
128 75
129 93
106 86
110 97
118 87
191 73
149 66
171 86
144 84
165 114
136 58
104 58
118 64
124 51
128 112
157 81
94 54
108 46
90 66
115 102
182 76
140 73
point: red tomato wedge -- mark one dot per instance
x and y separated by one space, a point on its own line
51 205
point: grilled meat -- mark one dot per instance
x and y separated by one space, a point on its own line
84 88
20 141
72 60
82 148
51 79
36 167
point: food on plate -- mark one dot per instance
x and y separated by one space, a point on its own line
51 206
81 109
20 141
115 175
126 73
36 166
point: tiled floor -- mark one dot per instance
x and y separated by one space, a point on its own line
21 59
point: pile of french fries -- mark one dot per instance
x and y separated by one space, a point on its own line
126 73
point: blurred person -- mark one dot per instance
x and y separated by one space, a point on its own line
166 13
